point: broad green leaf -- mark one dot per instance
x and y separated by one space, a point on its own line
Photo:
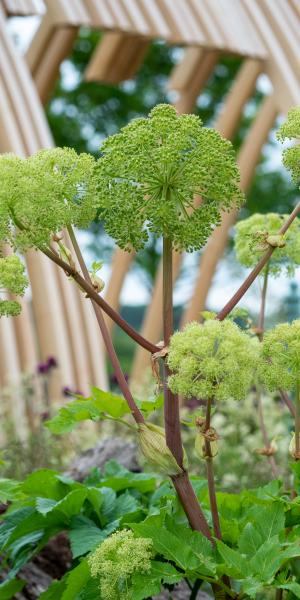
118 478
111 404
266 561
85 536
76 580
9 490
11 521
168 545
236 564
46 482
91 591
144 585
251 587
54 591
250 540
70 505
270 520
200 546
8 589
166 572
149 406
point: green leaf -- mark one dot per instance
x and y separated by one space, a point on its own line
85 536
236 564
91 591
54 591
83 409
166 572
270 520
292 587
76 580
46 482
250 540
8 589
145 585
167 544
70 505
111 404
200 546
118 478
9 490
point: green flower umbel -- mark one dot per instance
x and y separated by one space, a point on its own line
291 130
150 173
214 360
44 193
254 236
280 365
13 280
116 560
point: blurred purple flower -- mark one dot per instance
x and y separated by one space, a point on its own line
44 368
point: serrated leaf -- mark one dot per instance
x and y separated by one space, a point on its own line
9 490
165 571
236 564
269 521
167 544
85 536
76 579
111 404
47 482
250 540
70 505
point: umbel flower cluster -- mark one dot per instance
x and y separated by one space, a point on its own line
150 173
255 234
212 360
291 130
44 193
280 365
14 281
116 560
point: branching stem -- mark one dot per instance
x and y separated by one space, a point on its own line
256 271
297 422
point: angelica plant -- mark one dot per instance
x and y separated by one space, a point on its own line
170 176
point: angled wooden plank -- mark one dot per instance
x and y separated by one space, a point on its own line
100 14
24 7
116 58
285 81
213 32
158 25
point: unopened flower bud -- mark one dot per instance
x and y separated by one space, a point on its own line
153 446
97 282
292 448
202 438
276 241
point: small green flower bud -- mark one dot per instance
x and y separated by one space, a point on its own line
98 283
211 436
276 241
153 445
292 448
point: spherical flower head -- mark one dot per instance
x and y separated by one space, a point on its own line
151 172
44 193
116 560
213 360
14 281
255 235
291 130
280 364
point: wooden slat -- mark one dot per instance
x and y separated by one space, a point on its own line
24 7
116 58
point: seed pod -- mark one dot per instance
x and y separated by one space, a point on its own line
153 445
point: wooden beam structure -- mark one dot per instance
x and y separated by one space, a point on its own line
265 34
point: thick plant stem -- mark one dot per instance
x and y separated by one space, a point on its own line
210 476
190 504
262 312
171 401
256 271
137 415
181 482
279 595
286 399
297 422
